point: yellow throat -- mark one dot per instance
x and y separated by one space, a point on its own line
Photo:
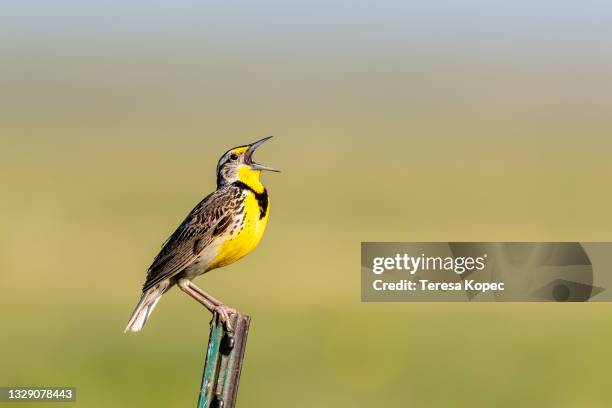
255 213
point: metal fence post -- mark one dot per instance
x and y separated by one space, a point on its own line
223 363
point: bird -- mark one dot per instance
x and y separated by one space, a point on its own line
224 227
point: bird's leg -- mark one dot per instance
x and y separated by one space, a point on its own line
209 302
211 299
223 310
208 297
184 285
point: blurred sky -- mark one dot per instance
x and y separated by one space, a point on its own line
538 27
486 21
251 56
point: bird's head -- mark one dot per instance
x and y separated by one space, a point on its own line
237 164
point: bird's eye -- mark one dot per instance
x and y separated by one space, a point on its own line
233 157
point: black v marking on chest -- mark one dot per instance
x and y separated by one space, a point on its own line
262 198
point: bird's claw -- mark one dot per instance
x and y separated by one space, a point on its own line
224 313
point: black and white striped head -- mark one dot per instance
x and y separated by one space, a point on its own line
237 164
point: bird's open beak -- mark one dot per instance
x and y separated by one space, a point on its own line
249 156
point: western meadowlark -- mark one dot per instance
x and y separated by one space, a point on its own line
222 228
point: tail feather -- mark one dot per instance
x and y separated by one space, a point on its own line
143 310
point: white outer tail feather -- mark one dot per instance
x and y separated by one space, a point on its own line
143 310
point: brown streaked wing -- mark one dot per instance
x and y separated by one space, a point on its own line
206 221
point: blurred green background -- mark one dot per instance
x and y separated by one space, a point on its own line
394 121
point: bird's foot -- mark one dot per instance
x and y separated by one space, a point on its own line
224 313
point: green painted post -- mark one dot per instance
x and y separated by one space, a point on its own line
223 363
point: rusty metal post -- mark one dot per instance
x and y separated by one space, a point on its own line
223 363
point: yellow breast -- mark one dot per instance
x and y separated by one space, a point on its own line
247 237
